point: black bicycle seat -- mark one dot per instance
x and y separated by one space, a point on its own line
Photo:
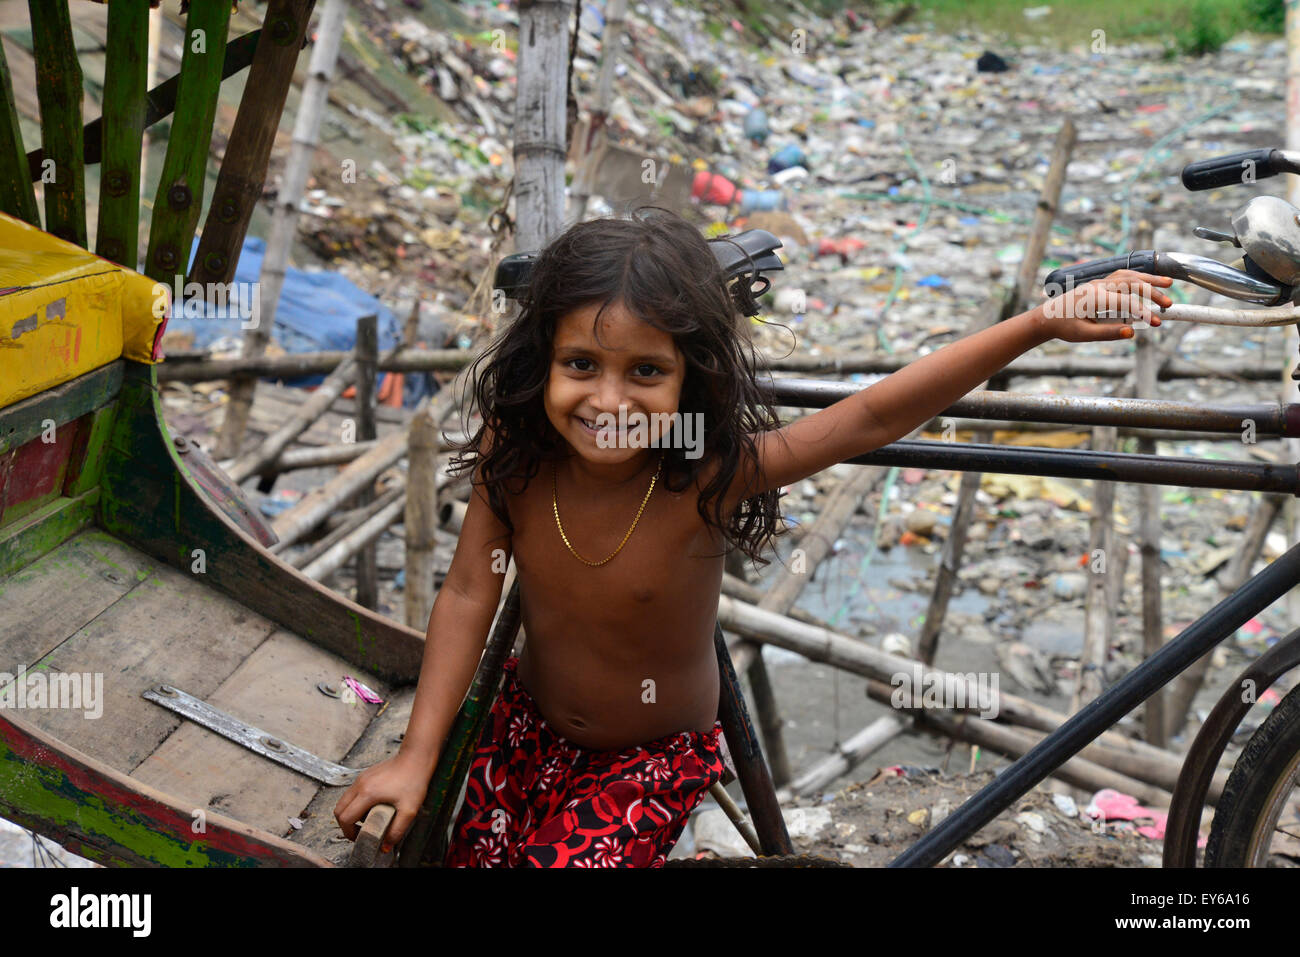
734 254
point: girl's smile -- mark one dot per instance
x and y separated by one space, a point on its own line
625 366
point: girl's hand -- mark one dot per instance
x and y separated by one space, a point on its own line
1122 298
399 781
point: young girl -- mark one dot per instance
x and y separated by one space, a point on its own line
591 469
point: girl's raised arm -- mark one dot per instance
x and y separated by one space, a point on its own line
893 407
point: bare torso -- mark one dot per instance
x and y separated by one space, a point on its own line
623 653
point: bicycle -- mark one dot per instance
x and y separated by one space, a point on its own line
1261 786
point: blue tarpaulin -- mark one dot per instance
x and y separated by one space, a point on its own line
317 312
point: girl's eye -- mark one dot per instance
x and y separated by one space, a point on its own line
654 370
572 361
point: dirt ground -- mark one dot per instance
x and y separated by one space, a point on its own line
873 822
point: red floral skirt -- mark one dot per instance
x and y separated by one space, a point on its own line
535 799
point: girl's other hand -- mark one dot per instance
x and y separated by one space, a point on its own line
1123 297
399 781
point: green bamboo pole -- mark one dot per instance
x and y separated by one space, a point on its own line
17 198
180 190
118 231
59 90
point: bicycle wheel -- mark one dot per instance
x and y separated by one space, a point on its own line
1257 822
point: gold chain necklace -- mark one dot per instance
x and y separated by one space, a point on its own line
555 507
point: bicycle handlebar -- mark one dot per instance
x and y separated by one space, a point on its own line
1233 280
1238 168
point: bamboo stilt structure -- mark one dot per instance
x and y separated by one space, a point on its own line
1182 691
370 530
1158 766
306 132
316 405
539 127
354 520
421 521
294 523
816 545
1018 300
1098 620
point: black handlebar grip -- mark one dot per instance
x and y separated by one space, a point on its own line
1233 169
1067 277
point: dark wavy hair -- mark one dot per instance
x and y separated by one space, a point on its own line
661 269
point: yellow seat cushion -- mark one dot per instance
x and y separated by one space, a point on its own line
65 311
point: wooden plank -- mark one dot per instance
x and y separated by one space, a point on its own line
160 102
170 628
17 198
118 231
87 462
61 591
379 742
149 500
58 85
36 472
101 814
275 690
43 530
180 190
26 419
243 171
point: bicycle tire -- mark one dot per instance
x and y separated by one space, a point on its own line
1269 762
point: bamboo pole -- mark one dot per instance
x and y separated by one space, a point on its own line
1098 619
312 457
1184 688
348 524
945 580
1149 496
857 657
255 461
610 41
1044 213
186 369
1077 771
294 523
421 521
367 348
370 530
306 132
848 756
539 150
815 545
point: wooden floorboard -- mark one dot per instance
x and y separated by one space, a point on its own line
275 689
50 599
169 629
320 831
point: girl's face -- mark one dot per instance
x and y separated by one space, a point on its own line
635 368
